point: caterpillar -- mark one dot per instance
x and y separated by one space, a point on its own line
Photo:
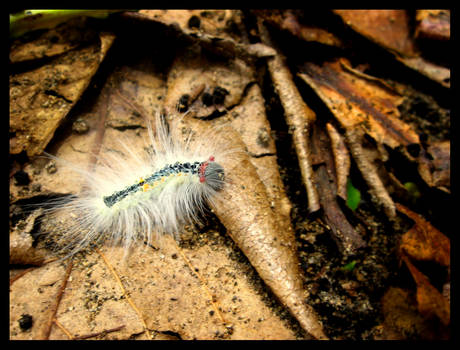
138 194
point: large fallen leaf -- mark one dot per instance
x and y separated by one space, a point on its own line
41 97
250 120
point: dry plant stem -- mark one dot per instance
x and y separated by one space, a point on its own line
59 295
354 138
341 160
19 275
104 332
298 116
69 335
348 240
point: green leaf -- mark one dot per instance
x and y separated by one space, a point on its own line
413 190
30 20
353 196
350 266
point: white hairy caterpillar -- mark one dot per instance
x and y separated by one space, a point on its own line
140 194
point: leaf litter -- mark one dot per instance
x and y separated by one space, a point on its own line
221 300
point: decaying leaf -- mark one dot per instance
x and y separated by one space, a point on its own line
391 29
434 165
298 116
429 300
423 241
55 41
362 105
360 102
222 82
250 120
402 319
219 31
433 24
22 247
40 98
288 20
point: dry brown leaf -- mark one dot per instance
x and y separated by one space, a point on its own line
298 115
250 120
391 29
55 41
434 165
193 70
161 285
359 101
288 20
22 247
402 320
362 104
429 300
40 98
423 241
433 24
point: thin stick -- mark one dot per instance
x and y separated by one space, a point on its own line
104 332
20 274
63 329
58 301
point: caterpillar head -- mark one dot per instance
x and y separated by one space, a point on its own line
214 175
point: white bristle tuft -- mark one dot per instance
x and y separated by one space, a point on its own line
142 195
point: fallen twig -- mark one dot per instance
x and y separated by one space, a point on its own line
59 295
